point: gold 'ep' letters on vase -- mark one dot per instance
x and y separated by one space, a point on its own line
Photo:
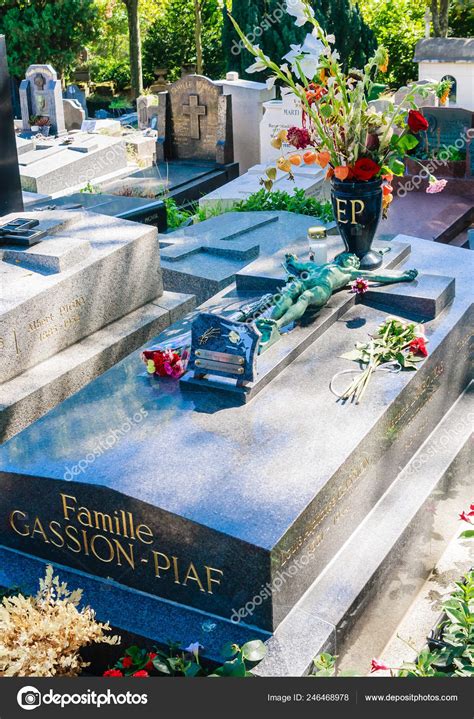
349 214
114 538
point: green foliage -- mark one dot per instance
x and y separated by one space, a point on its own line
175 216
461 18
111 69
451 652
178 662
277 200
170 41
46 31
264 25
398 25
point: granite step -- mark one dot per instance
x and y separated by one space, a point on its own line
365 590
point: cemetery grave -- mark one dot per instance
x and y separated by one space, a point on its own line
257 426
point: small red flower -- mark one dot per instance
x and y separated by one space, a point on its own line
378 666
416 121
418 346
360 286
113 673
149 666
465 517
127 662
365 169
141 673
298 137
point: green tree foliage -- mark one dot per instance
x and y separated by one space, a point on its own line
266 23
46 31
398 25
461 18
171 41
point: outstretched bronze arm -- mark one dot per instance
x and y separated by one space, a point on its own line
385 278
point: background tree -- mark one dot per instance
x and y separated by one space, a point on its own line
440 17
265 24
461 18
398 25
47 31
135 46
171 39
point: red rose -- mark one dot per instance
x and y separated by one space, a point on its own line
127 662
113 673
418 346
141 673
416 121
365 169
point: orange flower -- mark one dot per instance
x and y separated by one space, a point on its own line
323 158
384 66
329 173
387 189
342 172
388 177
295 159
309 157
386 200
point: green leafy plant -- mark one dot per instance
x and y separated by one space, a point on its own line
176 217
276 200
178 662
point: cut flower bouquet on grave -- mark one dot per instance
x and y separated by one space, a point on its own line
341 130
397 345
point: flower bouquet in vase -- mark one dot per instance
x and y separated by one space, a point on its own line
361 147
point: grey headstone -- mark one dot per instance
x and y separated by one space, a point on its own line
74 114
74 92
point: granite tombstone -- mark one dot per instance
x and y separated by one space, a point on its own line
261 507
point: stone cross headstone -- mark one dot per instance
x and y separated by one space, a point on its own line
10 187
195 122
41 95
74 92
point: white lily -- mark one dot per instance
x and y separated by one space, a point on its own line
298 9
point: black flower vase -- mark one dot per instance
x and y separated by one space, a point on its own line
357 209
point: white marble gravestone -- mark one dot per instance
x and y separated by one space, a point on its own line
248 98
41 95
279 115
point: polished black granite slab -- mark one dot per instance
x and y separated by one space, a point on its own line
185 181
137 209
209 505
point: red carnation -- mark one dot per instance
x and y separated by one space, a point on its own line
365 169
127 662
113 673
418 346
141 673
416 121
298 137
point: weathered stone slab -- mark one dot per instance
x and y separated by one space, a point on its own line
425 298
56 255
74 114
40 314
258 489
53 170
